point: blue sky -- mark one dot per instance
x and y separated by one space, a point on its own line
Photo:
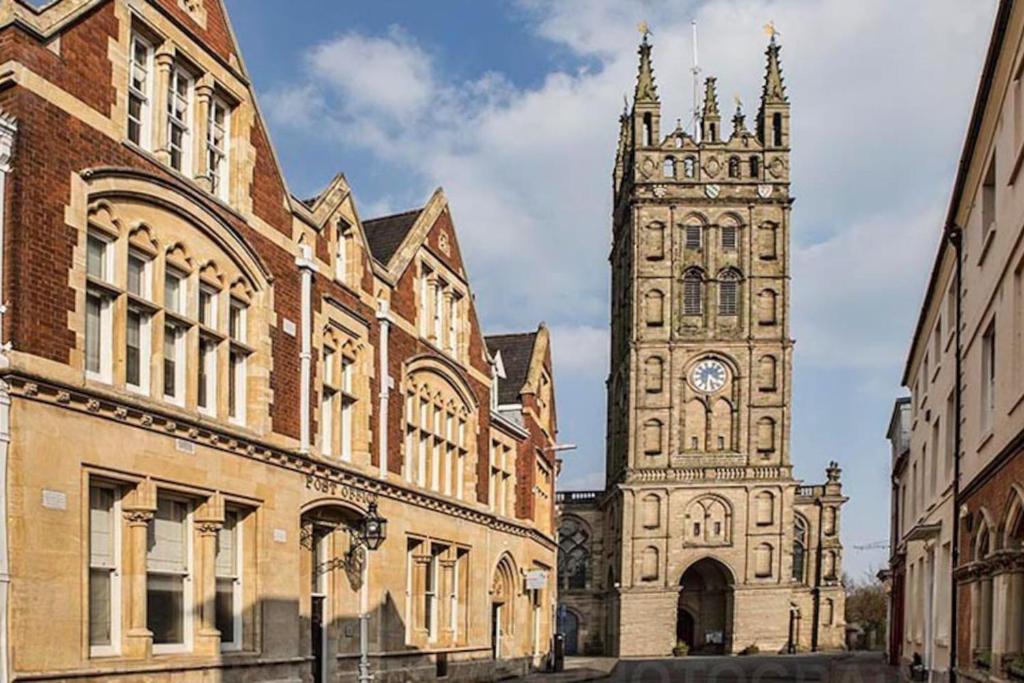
512 107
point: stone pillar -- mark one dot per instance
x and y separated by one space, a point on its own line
207 636
445 589
1013 608
419 590
200 126
138 639
164 61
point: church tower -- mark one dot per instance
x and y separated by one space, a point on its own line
708 539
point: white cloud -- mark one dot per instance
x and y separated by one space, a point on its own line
579 350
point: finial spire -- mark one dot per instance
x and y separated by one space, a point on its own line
774 91
739 121
646 90
711 119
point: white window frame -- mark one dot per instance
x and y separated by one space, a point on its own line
347 409
187 581
237 370
208 353
145 276
178 397
179 301
219 157
341 256
430 594
237 326
237 584
182 122
206 290
106 337
145 349
144 96
115 571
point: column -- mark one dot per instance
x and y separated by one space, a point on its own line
445 589
164 60
207 635
138 639
8 129
200 125
419 591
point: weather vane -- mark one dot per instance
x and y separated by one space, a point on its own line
771 31
644 30
738 101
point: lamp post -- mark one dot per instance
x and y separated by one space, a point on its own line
370 534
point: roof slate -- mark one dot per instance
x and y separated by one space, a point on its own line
386 234
516 352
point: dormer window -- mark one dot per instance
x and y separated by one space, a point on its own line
217 146
140 91
341 254
179 120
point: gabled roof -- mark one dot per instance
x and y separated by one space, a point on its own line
385 235
516 355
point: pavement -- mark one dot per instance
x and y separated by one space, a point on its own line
846 667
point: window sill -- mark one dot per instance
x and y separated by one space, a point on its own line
986 437
986 243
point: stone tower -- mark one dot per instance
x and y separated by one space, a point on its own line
707 537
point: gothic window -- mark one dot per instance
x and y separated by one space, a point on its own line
777 129
694 234
729 234
652 437
650 511
696 424
799 548
438 433
649 564
755 167
693 293
721 424
728 293
767 240
654 375
689 167
767 371
649 130
140 92
709 521
573 554
830 565
766 435
764 509
763 561
734 167
669 169
767 307
654 308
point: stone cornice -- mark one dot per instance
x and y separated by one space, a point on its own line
355 485
737 473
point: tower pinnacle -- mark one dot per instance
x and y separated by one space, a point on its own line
774 91
711 118
646 90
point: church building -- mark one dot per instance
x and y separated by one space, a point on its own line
702 539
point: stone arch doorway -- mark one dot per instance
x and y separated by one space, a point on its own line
502 606
571 632
334 574
704 614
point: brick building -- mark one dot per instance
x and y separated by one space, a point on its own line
208 382
958 548
701 536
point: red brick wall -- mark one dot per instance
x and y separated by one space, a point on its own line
268 190
82 68
215 36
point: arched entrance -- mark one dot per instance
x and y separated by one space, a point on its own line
570 629
335 576
502 605
704 612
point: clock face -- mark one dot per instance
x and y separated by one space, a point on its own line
708 376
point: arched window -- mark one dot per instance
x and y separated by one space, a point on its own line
650 511
729 233
767 307
982 598
767 372
655 242
693 292
763 560
669 169
830 562
689 167
695 425
652 437
755 167
708 521
573 554
439 430
721 424
648 131
694 235
766 239
654 308
764 509
828 612
649 564
342 255
728 293
777 129
799 548
766 435
734 167
654 375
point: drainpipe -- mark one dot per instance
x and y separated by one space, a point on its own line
816 607
384 319
8 128
306 266
955 235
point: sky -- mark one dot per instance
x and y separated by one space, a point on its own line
512 107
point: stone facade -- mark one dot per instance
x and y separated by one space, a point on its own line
207 384
704 535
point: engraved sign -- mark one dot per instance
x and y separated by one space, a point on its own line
55 500
280 536
334 488
536 579
712 191
764 191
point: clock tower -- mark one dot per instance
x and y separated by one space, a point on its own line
706 536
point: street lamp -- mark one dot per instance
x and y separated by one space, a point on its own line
370 534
